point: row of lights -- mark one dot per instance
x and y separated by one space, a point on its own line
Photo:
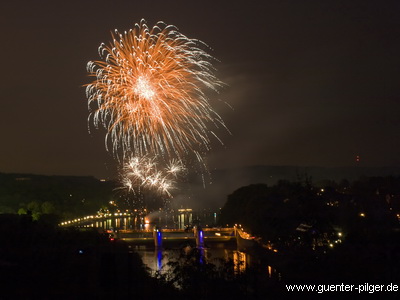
93 217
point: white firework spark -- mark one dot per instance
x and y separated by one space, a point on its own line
143 173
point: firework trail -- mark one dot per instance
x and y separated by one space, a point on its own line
148 92
142 173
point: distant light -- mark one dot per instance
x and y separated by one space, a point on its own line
339 234
362 215
331 245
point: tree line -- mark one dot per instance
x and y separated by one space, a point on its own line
66 196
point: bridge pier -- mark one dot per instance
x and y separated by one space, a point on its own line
157 236
199 236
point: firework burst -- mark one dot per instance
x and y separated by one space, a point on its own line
143 173
149 93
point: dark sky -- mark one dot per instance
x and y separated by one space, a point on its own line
312 83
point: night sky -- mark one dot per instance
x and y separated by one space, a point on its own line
311 83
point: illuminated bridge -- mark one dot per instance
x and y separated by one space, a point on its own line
198 237
171 236
115 225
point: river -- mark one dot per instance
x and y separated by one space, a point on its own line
157 259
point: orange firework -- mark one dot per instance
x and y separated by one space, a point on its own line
149 93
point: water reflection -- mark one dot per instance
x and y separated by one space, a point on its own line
157 259
131 222
239 261
180 219
159 253
224 257
269 271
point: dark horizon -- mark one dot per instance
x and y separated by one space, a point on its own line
193 193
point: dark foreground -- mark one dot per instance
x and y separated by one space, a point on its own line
41 261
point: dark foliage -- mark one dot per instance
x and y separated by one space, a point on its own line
198 277
67 196
39 261
352 232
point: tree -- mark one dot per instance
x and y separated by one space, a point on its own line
22 211
47 208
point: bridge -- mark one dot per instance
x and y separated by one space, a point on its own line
198 237
170 236
115 225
